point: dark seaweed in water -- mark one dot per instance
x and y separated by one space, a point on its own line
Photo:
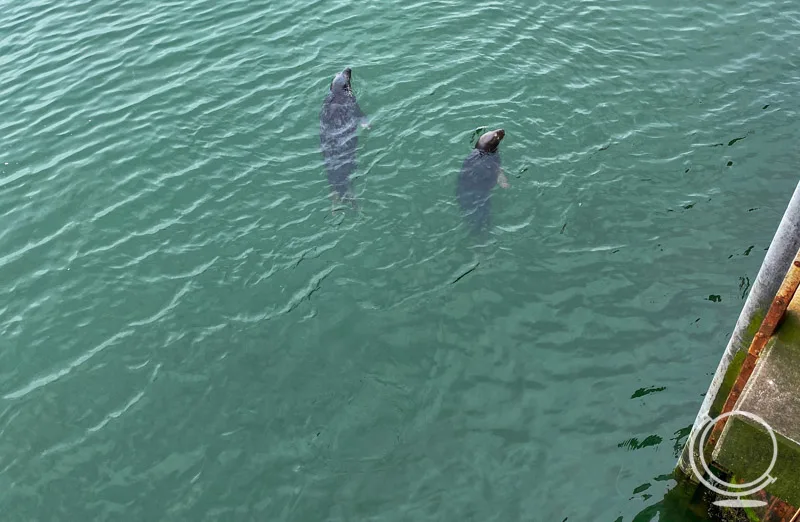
478 176
476 134
338 125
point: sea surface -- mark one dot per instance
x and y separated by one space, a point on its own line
189 333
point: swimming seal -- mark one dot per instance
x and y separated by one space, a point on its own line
480 172
338 125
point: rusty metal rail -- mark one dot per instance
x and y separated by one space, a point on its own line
776 312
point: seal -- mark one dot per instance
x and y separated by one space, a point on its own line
480 172
338 125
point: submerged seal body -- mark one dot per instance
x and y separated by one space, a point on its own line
480 172
338 125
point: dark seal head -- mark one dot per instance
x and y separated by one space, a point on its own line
340 85
489 141
480 172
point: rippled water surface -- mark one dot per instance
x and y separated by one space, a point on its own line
188 333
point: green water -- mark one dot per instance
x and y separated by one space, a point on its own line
188 334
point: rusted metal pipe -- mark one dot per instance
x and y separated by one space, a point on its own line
774 315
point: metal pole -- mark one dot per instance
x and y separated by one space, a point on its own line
781 252
765 332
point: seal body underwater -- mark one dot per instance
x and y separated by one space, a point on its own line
480 172
338 126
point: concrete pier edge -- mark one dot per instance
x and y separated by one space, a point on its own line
784 246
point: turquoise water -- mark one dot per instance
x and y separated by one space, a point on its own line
189 334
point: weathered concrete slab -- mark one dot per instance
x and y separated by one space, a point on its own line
772 393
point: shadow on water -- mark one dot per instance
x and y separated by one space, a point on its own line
685 500
689 502
683 503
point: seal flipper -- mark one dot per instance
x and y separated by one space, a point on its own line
352 199
361 117
502 180
341 198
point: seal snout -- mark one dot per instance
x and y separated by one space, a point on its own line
501 133
347 75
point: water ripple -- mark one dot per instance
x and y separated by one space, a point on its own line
167 220
52 377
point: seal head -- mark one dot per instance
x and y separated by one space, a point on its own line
341 82
488 142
